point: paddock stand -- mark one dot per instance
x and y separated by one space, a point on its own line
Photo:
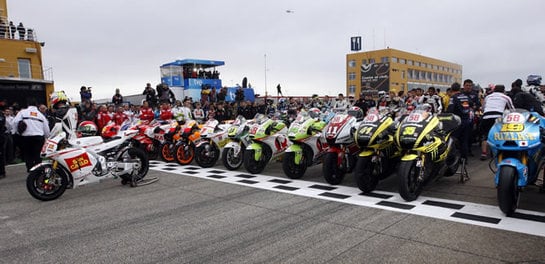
462 171
143 182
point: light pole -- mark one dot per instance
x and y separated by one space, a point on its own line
265 75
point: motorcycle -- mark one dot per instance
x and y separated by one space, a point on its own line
379 154
184 148
213 137
516 142
428 150
268 141
232 154
341 153
151 136
308 144
71 163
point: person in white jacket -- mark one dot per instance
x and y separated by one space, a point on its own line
493 107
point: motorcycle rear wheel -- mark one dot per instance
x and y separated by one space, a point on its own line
508 192
47 189
185 153
166 153
139 156
366 174
409 185
333 174
292 170
206 158
230 161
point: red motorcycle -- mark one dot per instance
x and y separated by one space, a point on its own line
342 153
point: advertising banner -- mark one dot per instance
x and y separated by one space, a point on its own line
375 76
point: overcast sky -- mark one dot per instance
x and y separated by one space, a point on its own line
110 44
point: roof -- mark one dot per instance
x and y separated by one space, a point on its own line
199 63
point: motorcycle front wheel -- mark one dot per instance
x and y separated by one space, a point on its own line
46 183
292 170
333 174
206 158
255 166
230 161
410 186
166 152
508 192
185 153
366 174
138 156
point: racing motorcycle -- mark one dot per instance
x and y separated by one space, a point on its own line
342 149
379 154
268 141
308 146
516 142
71 163
428 150
232 154
213 137
184 148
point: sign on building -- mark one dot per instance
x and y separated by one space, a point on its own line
355 43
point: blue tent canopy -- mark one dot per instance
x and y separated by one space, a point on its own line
200 63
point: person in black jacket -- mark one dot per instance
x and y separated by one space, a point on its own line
524 100
151 98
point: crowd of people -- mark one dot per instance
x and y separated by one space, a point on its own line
477 110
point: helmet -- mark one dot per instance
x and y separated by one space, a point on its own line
87 129
355 112
58 97
381 93
314 112
534 79
110 130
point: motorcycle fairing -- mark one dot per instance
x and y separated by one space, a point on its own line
522 171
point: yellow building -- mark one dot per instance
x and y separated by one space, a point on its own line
396 70
22 75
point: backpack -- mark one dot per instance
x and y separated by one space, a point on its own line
21 127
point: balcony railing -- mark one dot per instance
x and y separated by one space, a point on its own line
6 31
11 70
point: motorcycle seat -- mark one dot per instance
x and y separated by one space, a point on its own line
112 138
450 122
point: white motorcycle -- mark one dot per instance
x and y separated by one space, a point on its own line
213 139
232 154
73 162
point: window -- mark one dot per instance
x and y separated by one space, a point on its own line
394 59
351 63
351 76
384 59
424 65
428 76
363 62
24 68
417 63
430 66
351 89
409 62
416 75
402 74
371 61
402 61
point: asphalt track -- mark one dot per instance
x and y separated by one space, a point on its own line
195 215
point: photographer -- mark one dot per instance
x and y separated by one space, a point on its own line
239 95
85 94
149 92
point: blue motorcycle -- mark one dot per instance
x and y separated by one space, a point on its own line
516 143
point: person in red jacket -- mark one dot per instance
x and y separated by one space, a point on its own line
102 117
119 116
166 113
146 113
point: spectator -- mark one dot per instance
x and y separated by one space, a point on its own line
103 118
3 30
165 113
165 94
222 94
119 116
341 103
279 90
33 137
21 29
239 95
10 147
12 29
85 94
117 99
198 113
524 100
151 97
221 114
3 139
146 112
30 35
